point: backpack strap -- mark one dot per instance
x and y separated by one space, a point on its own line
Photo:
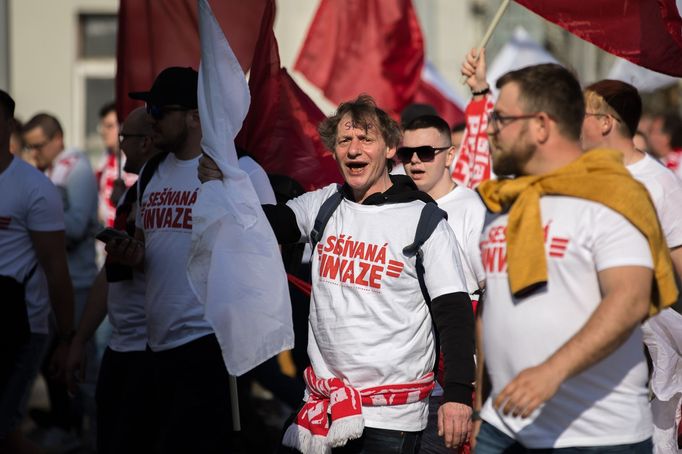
429 219
147 173
323 215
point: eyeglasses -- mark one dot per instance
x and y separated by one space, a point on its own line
36 146
425 153
158 112
122 137
500 121
597 114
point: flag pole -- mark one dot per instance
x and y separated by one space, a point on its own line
118 162
491 28
234 403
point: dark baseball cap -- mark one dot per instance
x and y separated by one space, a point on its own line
173 86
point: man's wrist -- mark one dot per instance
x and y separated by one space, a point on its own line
459 393
480 91
475 416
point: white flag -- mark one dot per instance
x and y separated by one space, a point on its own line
644 80
520 51
235 267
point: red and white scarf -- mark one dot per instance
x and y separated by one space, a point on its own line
312 431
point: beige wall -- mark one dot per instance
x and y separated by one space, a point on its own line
43 43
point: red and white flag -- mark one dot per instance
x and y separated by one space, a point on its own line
385 61
646 32
472 164
364 46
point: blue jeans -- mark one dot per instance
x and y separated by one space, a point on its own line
493 441
382 441
373 441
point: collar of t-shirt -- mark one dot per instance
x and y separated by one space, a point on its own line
403 190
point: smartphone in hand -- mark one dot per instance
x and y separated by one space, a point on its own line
108 234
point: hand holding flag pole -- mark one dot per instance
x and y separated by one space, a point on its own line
491 28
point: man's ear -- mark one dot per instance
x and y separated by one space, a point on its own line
543 127
193 117
390 152
606 125
59 137
449 156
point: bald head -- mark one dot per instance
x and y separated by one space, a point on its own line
138 122
135 140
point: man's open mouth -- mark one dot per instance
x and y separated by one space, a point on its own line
355 168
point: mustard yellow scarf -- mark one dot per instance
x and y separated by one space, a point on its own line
598 175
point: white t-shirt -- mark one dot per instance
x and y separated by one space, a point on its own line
368 322
259 180
666 192
606 404
466 215
125 307
29 202
174 315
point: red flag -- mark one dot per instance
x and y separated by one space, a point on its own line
153 35
364 46
646 32
280 130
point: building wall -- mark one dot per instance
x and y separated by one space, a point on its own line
43 40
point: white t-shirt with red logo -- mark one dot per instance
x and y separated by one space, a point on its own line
368 322
174 314
29 202
607 404
466 215
666 193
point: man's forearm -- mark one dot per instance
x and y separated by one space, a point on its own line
676 256
95 308
60 291
51 254
478 398
283 222
619 312
454 319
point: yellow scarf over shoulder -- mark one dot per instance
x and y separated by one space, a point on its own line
598 175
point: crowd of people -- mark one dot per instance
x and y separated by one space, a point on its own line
536 312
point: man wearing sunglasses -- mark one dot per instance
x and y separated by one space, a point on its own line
568 278
426 154
190 377
194 412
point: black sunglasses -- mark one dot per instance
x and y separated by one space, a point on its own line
425 153
158 112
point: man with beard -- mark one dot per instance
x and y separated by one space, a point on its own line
568 278
191 381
